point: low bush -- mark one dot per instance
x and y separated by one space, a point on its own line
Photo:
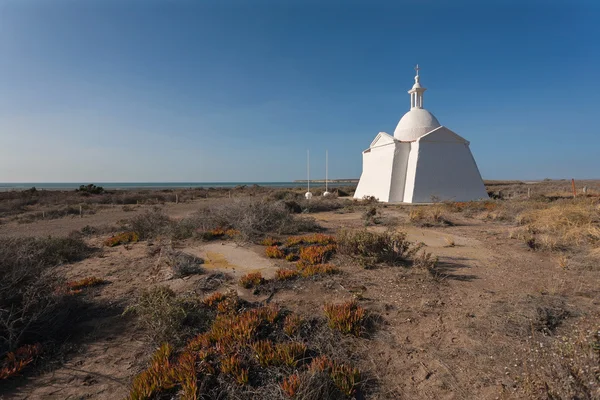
151 224
373 247
255 218
32 309
321 204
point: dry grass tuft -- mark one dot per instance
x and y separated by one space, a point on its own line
427 262
563 224
160 313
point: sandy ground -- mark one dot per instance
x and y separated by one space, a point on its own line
467 336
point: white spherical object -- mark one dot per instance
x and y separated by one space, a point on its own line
325 194
308 195
415 124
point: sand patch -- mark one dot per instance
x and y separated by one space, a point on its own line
233 259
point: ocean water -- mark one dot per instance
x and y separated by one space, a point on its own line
159 185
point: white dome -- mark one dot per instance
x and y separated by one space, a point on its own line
415 124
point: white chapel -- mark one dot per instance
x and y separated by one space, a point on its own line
423 162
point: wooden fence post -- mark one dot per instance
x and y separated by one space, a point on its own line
573 184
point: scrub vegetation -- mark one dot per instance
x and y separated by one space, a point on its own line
351 299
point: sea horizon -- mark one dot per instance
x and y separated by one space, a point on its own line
7 186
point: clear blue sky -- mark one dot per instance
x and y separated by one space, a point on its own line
144 90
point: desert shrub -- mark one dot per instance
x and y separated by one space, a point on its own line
31 307
184 228
373 247
121 238
151 224
426 261
160 313
429 216
90 189
254 218
346 317
321 204
370 215
183 264
251 280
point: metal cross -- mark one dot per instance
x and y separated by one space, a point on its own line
417 69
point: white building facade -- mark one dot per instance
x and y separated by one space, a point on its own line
423 162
